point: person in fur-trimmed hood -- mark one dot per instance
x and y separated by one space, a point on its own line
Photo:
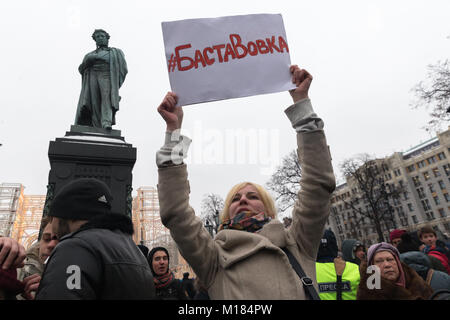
96 257
353 251
397 280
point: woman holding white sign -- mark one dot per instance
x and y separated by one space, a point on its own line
253 255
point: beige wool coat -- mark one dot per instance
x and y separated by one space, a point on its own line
243 265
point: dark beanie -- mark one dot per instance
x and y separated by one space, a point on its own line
152 253
410 242
143 249
81 199
328 249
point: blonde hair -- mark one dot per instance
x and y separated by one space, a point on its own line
266 199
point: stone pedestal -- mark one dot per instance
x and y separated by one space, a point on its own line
87 152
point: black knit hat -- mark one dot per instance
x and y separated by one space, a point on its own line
81 199
410 242
151 254
328 249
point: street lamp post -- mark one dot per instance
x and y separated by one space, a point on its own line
216 220
209 227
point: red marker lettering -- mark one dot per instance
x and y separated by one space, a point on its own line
229 52
205 55
236 42
252 48
234 49
271 44
262 48
179 59
219 54
199 58
282 44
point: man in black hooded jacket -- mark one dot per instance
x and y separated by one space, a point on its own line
166 285
96 257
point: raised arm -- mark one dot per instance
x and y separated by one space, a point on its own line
192 239
172 115
317 183
302 79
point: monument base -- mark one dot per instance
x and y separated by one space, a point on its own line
77 129
87 152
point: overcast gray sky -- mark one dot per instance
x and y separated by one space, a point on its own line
365 57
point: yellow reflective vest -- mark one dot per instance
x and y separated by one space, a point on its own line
327 278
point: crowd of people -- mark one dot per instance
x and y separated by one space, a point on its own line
406 266
86 251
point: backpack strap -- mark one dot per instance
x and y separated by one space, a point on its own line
306 281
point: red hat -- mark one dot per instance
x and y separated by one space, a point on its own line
397 233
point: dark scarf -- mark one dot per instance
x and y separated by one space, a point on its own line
247 221
163 280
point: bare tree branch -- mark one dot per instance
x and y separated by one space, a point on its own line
212 204
368 176
434 95
285 181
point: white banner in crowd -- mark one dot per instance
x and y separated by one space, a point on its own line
227 57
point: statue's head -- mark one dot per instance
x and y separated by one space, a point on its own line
101 37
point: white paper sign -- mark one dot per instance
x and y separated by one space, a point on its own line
227 57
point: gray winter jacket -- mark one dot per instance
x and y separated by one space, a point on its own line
420 262
99 261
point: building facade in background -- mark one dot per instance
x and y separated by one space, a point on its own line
11 200
28 220
423 172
